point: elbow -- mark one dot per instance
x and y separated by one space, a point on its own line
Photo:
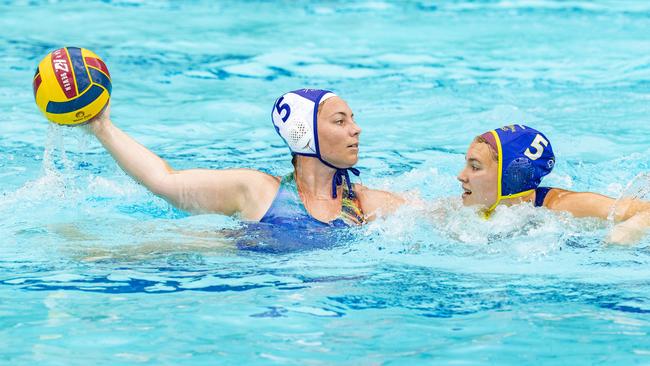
172 190
161 186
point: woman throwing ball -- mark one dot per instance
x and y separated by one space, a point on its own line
72 85
323 137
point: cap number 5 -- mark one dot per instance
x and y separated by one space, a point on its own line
283 107
539 143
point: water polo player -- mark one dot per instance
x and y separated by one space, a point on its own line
323 137
506 166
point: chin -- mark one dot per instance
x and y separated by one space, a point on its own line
473 201
349 162
467 201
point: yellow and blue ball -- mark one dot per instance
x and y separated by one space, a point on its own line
71 86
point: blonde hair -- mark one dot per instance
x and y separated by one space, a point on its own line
494 153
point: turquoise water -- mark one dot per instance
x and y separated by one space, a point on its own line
95 270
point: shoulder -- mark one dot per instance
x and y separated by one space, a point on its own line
259 191
554 196
557 197
579 204
259 176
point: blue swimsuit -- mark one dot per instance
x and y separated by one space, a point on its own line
540 195
287 226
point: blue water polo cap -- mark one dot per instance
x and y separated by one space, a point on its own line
295 118
525 156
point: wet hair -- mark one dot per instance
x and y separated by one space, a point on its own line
320 106
493 152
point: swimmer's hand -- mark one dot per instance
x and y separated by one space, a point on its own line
631 230
103 118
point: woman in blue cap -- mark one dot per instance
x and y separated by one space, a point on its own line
506 166
323 137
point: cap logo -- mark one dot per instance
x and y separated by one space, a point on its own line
550 164
512 128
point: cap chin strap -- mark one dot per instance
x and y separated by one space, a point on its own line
339 174
337 179
488 212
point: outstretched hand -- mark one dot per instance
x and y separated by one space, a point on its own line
101 119
631 230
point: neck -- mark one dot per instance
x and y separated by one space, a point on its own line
314 179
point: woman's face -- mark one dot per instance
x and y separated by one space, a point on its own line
479 176
338 134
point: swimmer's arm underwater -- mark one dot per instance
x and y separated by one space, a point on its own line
237 191
633 215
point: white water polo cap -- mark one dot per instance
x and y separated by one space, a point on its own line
295 116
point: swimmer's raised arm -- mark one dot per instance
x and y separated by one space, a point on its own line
236 191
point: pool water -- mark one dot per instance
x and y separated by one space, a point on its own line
96 270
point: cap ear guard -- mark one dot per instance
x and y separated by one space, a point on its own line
299 134
517 176
289 115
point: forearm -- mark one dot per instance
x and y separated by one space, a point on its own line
136 160
376 203
629 207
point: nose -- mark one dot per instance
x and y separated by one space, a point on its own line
356 130
462 176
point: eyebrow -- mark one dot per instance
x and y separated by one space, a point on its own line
471 160
343 113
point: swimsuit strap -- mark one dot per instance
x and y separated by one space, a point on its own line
540 195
